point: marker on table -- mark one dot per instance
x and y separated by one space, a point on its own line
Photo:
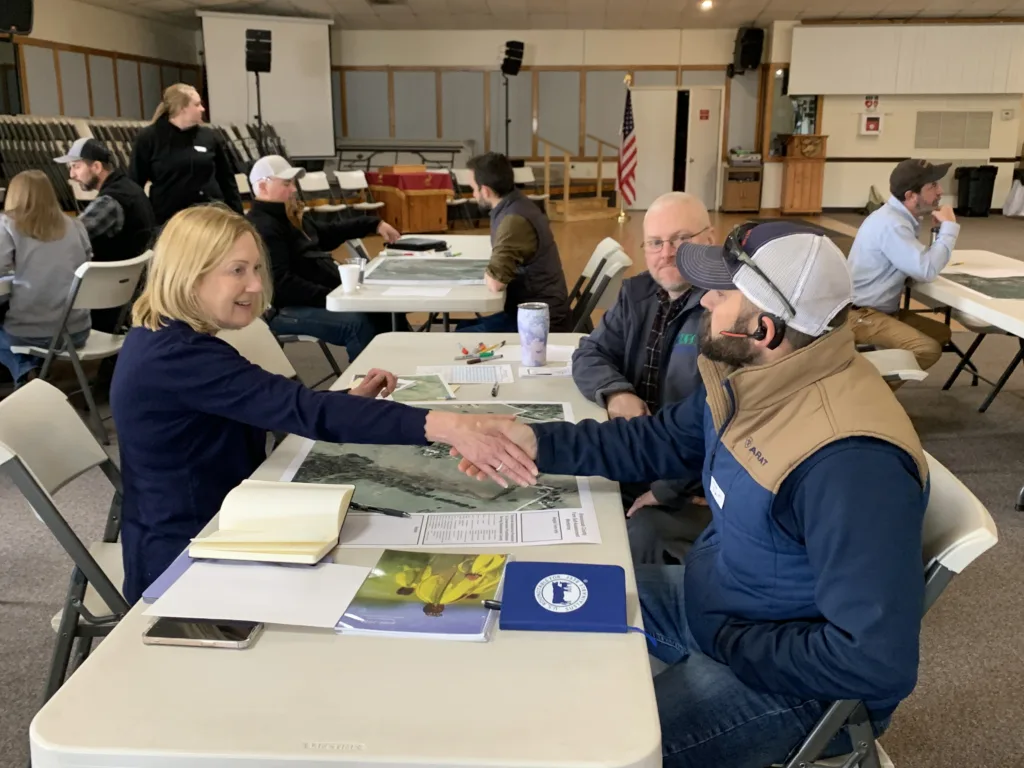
378 510
493 605
494 390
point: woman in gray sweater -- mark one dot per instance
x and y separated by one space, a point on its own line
43 248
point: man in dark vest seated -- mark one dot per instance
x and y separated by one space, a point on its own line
524 257
120 221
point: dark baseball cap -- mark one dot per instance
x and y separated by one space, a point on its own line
90 150
794 261
914 174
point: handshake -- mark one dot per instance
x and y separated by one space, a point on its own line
495 447
491 446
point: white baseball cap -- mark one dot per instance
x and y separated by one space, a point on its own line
274 167
783 261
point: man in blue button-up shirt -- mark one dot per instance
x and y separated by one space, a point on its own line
887 251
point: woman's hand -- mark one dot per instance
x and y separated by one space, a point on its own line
375 382
389 233
484 446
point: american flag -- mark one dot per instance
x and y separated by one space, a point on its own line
627 156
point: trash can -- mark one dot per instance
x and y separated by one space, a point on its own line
975 185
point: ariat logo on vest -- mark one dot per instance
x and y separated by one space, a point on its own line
686 339
749 445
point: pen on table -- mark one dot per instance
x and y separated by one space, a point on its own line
494 390
493 605
379 510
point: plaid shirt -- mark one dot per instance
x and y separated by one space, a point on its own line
650 377
103 217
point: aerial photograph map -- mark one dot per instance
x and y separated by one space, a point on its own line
414 478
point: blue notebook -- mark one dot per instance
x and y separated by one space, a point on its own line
563 597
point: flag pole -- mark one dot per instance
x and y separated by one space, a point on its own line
623 217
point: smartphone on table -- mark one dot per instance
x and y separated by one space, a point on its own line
202 633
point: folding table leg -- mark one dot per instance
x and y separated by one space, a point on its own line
1004 378
965 360
447 322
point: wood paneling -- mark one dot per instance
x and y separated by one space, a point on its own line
533 73
57 48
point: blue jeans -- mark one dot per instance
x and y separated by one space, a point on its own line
19 365
708 717
351 330
497 323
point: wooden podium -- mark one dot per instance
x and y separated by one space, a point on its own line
803 173
414 200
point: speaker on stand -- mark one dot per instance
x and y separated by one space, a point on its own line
257 59
510 66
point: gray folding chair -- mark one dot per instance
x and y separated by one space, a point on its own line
43 446
97 285
957 530
601 292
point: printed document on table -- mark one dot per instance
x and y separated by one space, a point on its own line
562 371
557 353
482 373
435 293
472 529
295 595
980 270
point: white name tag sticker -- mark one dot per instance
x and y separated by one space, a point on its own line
200 149
717 493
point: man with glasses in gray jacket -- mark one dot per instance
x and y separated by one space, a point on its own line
643 355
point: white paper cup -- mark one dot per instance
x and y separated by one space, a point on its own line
349 277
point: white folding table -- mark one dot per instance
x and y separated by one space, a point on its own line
1005 314
460 298
301 697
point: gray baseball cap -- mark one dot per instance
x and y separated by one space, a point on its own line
791 261
89 150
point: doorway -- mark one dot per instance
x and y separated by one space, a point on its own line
679 142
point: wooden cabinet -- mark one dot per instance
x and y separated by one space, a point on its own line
803 174
414 210
741 191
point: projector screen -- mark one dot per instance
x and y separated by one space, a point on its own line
295 94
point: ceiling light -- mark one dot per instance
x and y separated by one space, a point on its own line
706 5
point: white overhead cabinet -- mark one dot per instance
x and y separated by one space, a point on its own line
926 59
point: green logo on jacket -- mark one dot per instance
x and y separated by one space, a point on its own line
686 339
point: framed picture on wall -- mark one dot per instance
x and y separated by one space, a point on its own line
870 125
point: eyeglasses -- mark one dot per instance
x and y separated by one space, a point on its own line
655 244
733 244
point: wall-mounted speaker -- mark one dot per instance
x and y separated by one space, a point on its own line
257 50
747 51
513 58
16 17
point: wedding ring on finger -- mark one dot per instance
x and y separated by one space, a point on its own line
500 465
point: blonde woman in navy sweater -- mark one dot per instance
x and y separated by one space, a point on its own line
192 414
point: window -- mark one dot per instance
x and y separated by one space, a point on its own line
790 114
953 130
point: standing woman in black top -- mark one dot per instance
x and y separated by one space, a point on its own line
186 161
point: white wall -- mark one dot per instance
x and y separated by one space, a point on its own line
847 184
780 42
567 48
74 23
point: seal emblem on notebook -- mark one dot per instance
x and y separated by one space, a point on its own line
561 593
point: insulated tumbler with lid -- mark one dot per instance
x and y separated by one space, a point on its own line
534 321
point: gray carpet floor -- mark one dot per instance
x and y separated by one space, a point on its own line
969 703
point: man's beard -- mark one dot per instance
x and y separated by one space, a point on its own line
91 183
727 349
484 205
